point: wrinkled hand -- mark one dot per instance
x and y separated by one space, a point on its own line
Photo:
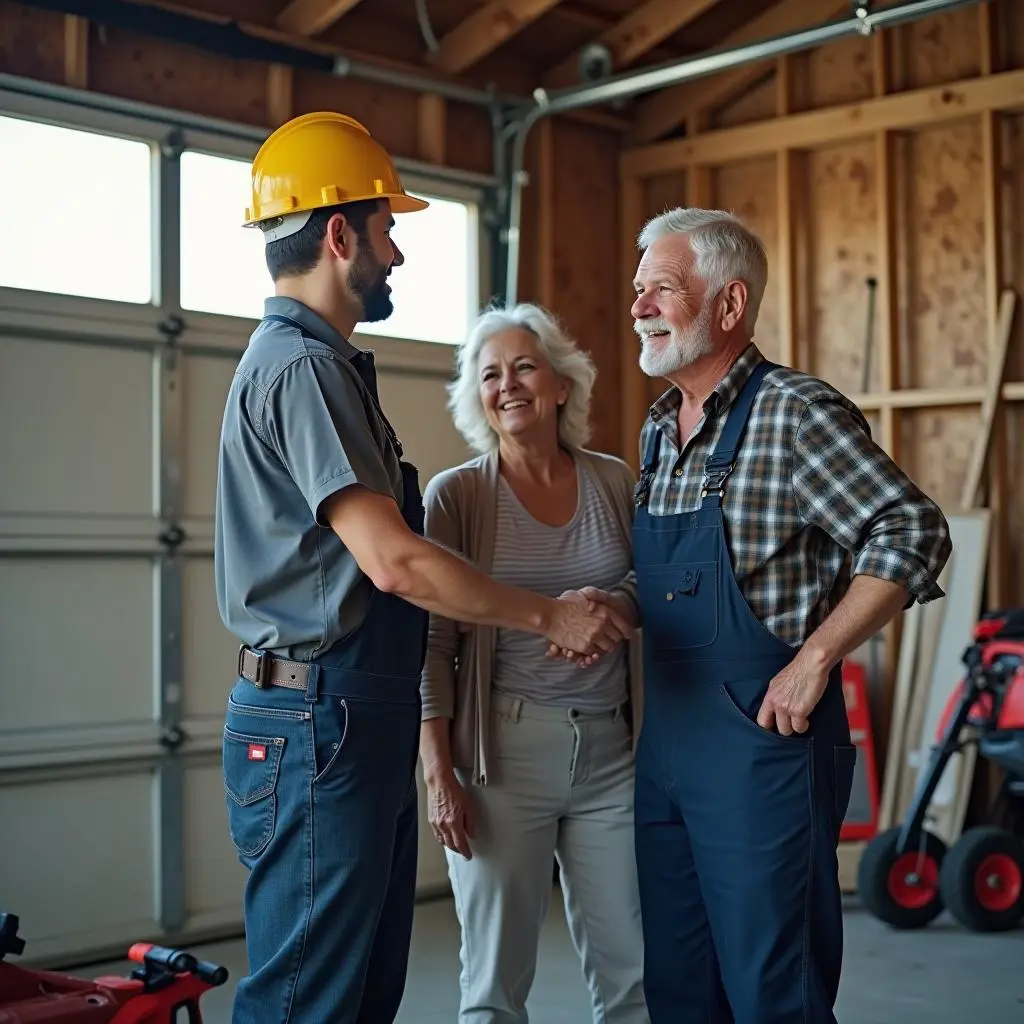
792 695
616 628
450 816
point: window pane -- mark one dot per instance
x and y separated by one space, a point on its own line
222 264
223 268
435 290
80 219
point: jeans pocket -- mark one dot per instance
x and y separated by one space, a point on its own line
844 767
251 767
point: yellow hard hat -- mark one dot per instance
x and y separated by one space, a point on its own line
322 159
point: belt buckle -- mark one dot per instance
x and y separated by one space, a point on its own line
261 656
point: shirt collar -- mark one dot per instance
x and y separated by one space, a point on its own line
724 394
312 322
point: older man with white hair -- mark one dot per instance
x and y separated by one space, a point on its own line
771 538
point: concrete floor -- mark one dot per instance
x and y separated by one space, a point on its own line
940 975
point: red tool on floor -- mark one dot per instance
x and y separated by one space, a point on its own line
907 876
164 989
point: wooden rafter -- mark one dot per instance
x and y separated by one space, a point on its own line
664 111
636 34
484 31
311 17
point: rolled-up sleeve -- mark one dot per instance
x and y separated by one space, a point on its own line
442 519
315 421
846 485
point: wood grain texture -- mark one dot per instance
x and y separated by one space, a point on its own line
947 327
749 190
844 239
169 75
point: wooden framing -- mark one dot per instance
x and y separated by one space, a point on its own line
880 118
311 17
665 110
899 175
484 31
914 109
634 35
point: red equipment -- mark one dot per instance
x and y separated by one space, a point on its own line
906 875
861 821
164 989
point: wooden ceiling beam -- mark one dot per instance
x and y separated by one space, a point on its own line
663 111
634 35
311 17
484 31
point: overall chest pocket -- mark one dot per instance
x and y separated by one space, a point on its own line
679 603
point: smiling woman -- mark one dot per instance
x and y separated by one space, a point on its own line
502 720
537 336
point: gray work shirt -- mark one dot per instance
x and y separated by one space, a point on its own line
300 423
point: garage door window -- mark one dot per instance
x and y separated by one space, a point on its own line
79 207
223 269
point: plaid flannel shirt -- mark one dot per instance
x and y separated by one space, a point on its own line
812 500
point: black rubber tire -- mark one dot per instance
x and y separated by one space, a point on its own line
960 871
875 891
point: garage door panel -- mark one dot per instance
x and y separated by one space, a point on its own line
209 651
60 405
76 860
206 383
214 878
416 407
76 642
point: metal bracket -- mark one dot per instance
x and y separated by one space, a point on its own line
172 145
172 536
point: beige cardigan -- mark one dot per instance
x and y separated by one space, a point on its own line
461 510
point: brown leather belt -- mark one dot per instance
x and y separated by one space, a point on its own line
265 669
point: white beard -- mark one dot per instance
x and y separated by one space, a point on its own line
661 356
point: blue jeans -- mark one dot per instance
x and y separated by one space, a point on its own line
322 810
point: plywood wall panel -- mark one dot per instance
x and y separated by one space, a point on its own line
31 43
756 104
664 193
391 115
468 142
939 49
946 273
749 190
1012 207
151 70
587 275
937 445
841 72
842 222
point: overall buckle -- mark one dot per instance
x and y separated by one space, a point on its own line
714 478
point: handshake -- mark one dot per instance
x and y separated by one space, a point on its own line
588 623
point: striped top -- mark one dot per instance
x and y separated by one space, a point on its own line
587 551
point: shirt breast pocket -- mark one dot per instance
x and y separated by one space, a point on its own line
679 606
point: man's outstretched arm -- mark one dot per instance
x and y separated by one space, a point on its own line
431 577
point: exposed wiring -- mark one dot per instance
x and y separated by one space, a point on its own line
426 30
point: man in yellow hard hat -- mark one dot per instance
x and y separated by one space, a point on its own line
323 574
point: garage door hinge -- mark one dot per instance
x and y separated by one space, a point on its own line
172 536
172 737
171 327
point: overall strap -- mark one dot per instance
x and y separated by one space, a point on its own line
648 467
721 461
369 383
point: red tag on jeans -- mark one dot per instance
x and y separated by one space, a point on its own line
257 752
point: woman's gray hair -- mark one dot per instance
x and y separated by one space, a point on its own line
566 359
725 250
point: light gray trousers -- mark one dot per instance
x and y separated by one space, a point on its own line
564 788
